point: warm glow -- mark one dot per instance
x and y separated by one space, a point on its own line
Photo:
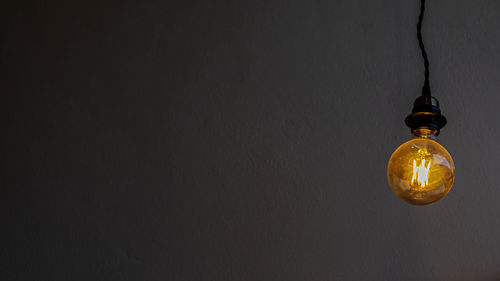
421 171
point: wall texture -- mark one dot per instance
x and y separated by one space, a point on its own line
242 140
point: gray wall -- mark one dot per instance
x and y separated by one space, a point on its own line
248 140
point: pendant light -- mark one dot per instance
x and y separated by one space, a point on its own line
421 171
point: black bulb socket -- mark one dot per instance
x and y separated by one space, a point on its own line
426 114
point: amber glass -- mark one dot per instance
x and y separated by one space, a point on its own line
421 171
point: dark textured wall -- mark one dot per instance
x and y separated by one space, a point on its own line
242 140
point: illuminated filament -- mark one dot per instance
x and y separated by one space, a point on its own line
421 173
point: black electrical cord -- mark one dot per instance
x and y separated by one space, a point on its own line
426 91
426 112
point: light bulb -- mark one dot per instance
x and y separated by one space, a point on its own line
421 171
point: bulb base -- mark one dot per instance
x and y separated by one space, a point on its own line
426 114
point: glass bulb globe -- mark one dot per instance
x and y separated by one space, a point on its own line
421 171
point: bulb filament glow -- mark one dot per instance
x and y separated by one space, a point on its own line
421 173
